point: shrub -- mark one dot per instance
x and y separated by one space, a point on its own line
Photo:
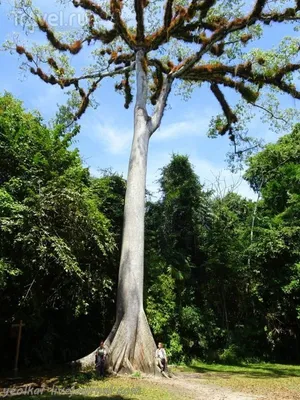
230 355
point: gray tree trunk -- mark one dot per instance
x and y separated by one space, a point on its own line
130 344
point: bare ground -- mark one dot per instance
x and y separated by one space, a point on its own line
183 386
192 386
226 386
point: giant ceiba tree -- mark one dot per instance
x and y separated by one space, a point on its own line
151 45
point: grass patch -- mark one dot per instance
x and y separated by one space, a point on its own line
272 381
261 370
85 386
273 388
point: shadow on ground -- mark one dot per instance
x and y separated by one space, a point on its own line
250 371
64 377
75 397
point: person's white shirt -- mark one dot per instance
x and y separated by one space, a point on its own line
161 353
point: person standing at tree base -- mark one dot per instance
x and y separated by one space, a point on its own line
161 357
100 359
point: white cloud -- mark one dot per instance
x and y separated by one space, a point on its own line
189 126
117 140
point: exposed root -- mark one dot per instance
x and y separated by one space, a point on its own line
130 346
85 362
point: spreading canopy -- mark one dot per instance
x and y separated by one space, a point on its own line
189 41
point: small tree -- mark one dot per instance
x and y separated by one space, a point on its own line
187 41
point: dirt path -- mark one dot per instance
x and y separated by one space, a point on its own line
191 386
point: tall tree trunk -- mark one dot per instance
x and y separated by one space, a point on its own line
131 345
130 342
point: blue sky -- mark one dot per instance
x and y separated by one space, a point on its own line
106 132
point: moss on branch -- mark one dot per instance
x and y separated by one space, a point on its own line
73 48
93 7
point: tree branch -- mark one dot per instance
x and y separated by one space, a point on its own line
189 24
205 6
104 35
208 43
158 64
86 99
139 15
57 44
289 15
90 5
65 82
258 8
216 73
168 13
120 26
141 81
158 81
230 116
227 27
269 112
161 104
155 40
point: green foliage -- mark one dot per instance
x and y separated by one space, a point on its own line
235 263
136 374
275 248
175 227
185 213
161 303
230 355
222 277
56 243
175 349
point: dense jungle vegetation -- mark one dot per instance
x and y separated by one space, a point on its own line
222 276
